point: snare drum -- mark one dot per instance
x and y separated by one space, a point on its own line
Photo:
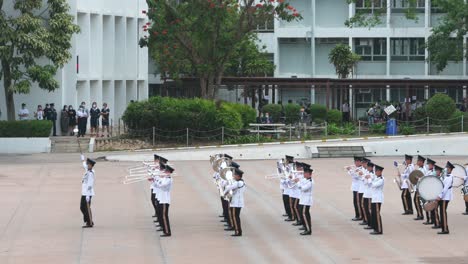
458 173
430 187
465 193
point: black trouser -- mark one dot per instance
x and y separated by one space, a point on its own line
305 209
291 206
54 129
417 204
366 202
361 206
82 122
85 208
357 207
297 212
406 199
435 217
287 209
429 218
225 205
165 224
153 202
159 211
235 211
443 215
376 218
466 207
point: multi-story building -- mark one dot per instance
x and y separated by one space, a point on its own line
107 63
393 50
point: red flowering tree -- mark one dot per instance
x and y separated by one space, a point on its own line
199 38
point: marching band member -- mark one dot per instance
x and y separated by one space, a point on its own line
417 198
429 171
284 191
362 187
355 187
367 197
306 187
405 194
165 187
444 198
237 200
229 214
435 213
377 200
295 192
287 190
152 186
87 191
157 177
466 203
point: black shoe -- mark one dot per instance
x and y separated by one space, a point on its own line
229 229
222 216
356 219
465 213
302 228
428 223
407 213
87 226
289 220
443 233
155 221
223 221
375 233
297 224
285 215
363 223
418 218
154 216
165 235
368 228
436 227
306 233
236 235
160 229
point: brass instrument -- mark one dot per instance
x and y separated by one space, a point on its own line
226 174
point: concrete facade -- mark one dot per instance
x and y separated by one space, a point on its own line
107 64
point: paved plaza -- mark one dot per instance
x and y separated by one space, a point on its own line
40 220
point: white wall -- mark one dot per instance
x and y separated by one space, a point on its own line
24 145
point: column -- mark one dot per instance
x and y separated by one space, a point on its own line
388 94
464 57
312 94
426 92
427 14
389 57
352 107
389 14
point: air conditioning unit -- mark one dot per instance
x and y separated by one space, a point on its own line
364 91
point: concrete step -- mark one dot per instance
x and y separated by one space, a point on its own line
69 144
340 151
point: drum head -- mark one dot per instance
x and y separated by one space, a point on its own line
430 187
415 176
430 206
458 173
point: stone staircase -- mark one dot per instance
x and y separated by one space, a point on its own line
340 151
69 144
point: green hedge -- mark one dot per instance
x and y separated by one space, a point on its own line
292 112
30 128
274 110
440 107
173 114
318 112
334 116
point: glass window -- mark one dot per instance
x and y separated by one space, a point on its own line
371 49
370 4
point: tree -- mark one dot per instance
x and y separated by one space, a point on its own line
343 59
446 41
200 37
27 35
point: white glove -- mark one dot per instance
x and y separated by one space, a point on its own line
88 198
82 157
90 188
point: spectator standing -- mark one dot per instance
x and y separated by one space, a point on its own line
71 120
64 120
39 114
105 111
47 112
95 114
370 115
23 112
345 111
53 118
267 119
82 120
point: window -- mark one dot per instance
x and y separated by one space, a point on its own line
408 3
371 49
265 24
370 4
408 49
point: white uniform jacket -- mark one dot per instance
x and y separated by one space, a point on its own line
87 183
355 183
306 186
368 185
285 188
238 189
446 193
295 192
165 187
405 176
153 184
362 184
377 187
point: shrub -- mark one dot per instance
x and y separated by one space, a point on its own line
334 116
28 128
377 128
274 110
440 107
334 129
454 122
349 129
406 129
229 118
247 113
318 111
291 112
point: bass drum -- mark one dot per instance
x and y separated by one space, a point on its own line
430 187
458 173
465 193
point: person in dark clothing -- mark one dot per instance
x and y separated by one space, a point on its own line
47 112
53 118
95 113
71 120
